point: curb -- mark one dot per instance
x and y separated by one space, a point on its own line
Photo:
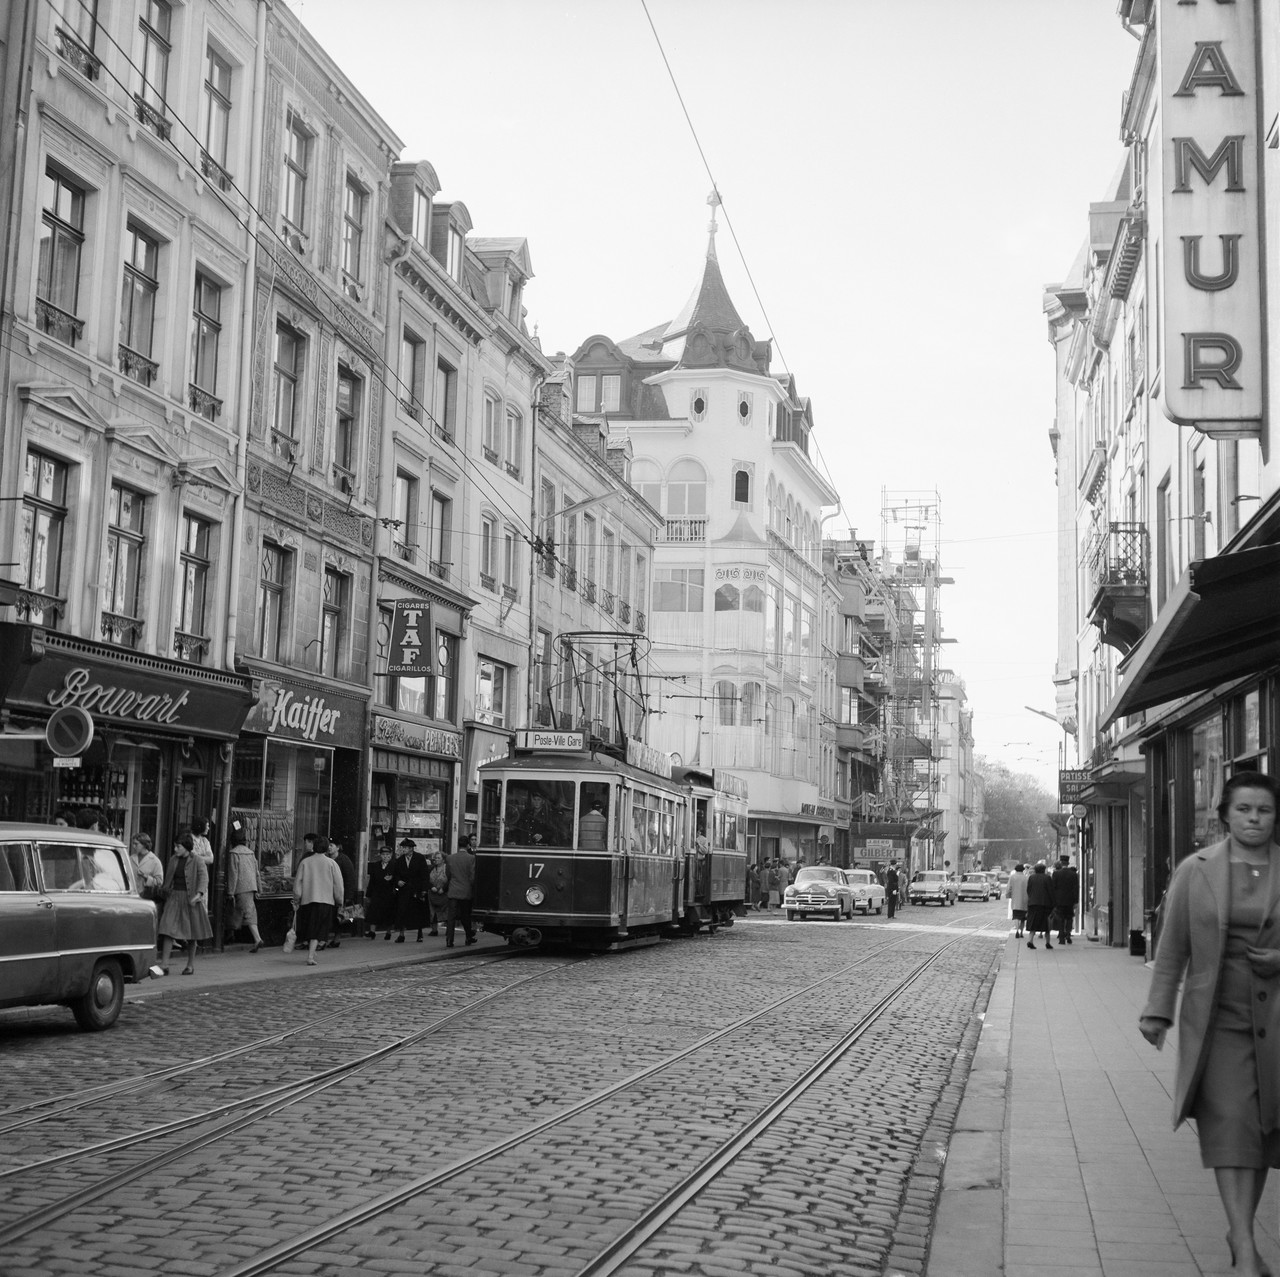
967 1239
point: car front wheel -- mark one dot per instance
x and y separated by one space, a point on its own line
99 1007
791 915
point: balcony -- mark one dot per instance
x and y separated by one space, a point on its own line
190 647
685 531
488 583
1117 560
72 50
490 456
40 609
405 551
57 322
137 366
201 401
125 630
606 601
624 612
214 171
153 117
569 578
640 621
438 570
589 590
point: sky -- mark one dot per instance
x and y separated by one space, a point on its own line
902 179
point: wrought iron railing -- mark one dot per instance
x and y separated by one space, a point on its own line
606 601
152 117
190 647
1118 555
32 606
57 322
118 628
624 612
589 590
201 401
640 621
214 171
569 578
74 50
136 365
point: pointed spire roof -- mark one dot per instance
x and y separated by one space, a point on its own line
708 332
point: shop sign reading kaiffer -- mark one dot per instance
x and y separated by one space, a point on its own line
1211 284
416 737
312 715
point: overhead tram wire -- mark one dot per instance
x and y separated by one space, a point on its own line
378 364
728 221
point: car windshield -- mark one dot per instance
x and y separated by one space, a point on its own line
974 878
930 875
817 874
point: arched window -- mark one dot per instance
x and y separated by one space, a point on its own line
646 479
753 599
742 487
686 491
726 703
727 599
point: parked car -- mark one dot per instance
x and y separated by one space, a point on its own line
974 886
819 889
868 894
73 930
932 886
1000 883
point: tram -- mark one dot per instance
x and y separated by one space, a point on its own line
581 843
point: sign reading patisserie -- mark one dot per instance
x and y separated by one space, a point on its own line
1210 271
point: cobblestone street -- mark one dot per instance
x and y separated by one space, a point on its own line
531 1110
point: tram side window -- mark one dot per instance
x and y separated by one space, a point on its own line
539 813
639 823
490 812
593 816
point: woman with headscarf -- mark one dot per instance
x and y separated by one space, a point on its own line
1221 931
186 913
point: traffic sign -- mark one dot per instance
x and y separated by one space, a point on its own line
69 731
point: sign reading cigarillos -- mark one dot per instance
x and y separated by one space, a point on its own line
1210 240
410 638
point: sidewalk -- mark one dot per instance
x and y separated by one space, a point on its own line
1063 1163
236 965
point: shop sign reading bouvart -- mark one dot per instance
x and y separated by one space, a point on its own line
312 715
415 737
116 691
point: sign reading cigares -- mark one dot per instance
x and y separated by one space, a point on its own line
1211 273
411 649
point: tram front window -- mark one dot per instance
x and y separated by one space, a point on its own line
539 813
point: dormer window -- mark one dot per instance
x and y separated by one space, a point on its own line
601 393
453 260
422 217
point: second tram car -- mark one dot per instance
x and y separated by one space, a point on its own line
580 845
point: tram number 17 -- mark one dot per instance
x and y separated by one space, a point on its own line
535 870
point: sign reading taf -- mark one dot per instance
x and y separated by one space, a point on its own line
1211 273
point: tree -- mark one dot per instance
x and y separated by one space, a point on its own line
1016 809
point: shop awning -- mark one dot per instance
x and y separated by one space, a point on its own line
1222 621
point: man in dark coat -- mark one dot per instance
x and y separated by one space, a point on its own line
1039 905
1066 894
462 882
891 885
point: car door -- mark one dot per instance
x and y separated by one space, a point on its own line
28 936
81 911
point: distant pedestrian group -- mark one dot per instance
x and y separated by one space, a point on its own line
415 887
1042 903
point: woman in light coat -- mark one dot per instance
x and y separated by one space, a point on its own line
1018 897
1221 932
317 894
243 884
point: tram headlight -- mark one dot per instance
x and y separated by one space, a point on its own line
535 895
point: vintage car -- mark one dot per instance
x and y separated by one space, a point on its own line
73 930
819 889
975 886
932 886
868 894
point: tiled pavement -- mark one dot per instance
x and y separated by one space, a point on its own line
1063 1163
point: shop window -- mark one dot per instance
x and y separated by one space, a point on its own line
1207 777
44 516
446 677
1249 736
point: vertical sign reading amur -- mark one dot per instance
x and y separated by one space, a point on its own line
1211 289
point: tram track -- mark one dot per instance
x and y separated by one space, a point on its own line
624 1247
261 1104
36 1111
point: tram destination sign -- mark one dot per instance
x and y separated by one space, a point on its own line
1072 782
542 738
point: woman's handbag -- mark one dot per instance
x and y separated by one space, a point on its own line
290 937
157 894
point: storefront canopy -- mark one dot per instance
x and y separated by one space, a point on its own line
1222 621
